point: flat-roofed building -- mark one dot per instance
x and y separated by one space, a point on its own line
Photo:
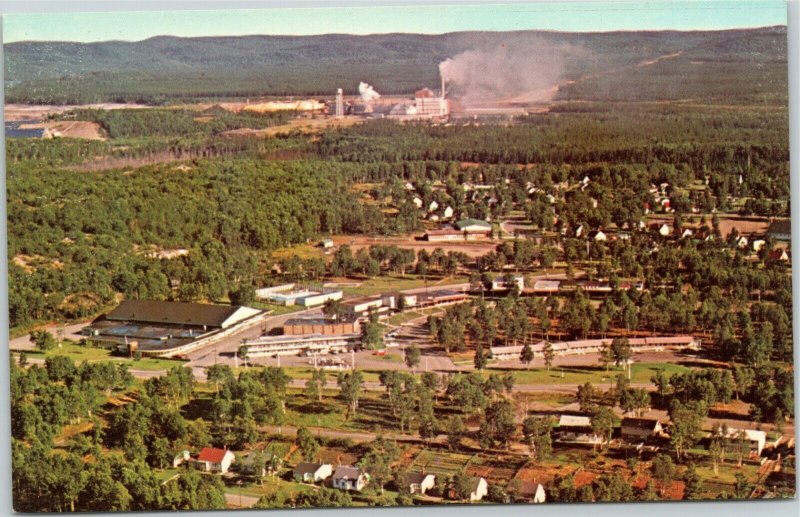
306 344
320 325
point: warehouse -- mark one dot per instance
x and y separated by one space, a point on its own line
166 329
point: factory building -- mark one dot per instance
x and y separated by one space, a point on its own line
166 329
428 104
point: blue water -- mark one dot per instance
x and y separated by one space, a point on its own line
13 131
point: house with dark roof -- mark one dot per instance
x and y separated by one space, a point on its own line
165 329
528 491
347 477
781 230
180 313
418 482
214 460
639 428
306 472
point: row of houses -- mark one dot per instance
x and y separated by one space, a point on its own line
352 478
578 430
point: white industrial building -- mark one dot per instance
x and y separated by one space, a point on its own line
292 294
303 344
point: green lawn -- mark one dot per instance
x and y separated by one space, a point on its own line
272 485
404 317
166 474
383 284
727 473
640 372
80 353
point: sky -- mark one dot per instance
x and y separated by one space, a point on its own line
573 16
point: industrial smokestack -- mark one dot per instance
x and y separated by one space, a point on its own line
339 104
442 85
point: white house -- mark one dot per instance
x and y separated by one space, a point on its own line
757 439
600 236
664 230
433 206
347 477
312 472
417 201
479 489
508 282
539 495
742 242
214 460
448 212
419 483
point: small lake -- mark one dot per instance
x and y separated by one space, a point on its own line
13 130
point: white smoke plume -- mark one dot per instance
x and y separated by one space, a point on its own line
368 93
518 71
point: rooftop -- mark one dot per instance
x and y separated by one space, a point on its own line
346 472
211 455
575 421
306 468
465 223
640 423
176 313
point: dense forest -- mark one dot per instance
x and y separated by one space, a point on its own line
748 65
238 197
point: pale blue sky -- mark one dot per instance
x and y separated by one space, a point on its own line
579 16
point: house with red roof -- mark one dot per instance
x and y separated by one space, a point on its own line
214 460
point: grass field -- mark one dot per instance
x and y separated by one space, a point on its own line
404 317
391 283
79 353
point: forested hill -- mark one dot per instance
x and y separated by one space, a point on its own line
165 67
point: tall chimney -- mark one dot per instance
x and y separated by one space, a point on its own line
442 86
339 104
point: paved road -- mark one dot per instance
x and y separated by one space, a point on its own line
71 331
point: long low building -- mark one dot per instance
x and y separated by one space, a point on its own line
590 346
307 344
167 329
291 294
320 325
